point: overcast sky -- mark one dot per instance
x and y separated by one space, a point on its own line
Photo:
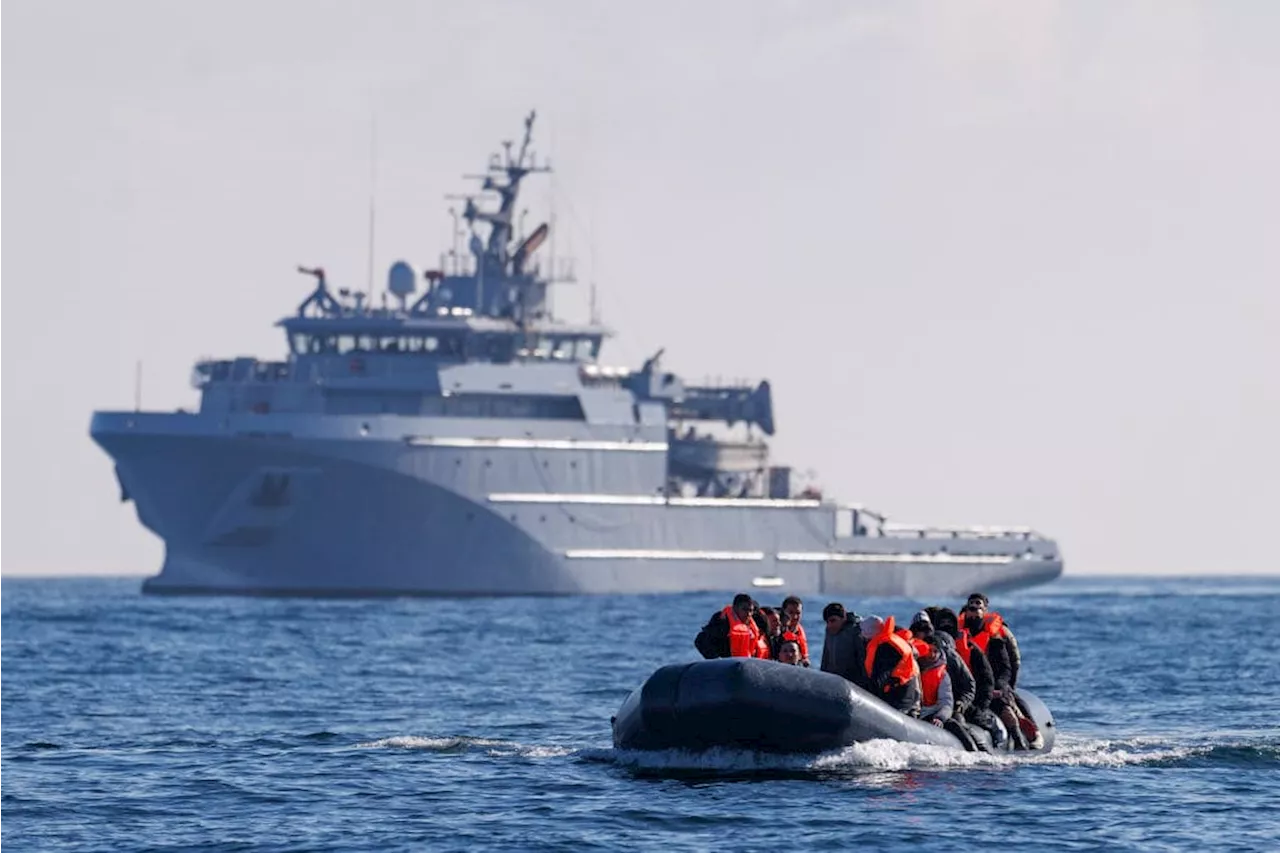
1003 262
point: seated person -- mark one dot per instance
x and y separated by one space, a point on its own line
892 671
789 649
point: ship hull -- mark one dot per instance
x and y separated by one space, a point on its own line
276 507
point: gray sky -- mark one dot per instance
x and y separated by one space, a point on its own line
1003 262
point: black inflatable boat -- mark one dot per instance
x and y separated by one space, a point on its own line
769 706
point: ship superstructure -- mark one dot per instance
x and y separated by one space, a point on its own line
459 440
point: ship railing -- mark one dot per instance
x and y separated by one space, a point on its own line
718 383
973 531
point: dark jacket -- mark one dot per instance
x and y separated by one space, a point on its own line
963 687
983 680
1001 666
844 653
1015 656
713 640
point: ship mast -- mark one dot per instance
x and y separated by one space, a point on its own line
504 177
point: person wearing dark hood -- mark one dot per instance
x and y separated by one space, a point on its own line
843 649
891 665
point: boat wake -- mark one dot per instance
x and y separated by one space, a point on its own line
461 745
872 757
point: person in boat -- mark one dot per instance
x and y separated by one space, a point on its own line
979 710
986 635
844 650
792 609
764 647
940 699
772 629
1015 654
730 632
963 686
892 671
789 649
937 704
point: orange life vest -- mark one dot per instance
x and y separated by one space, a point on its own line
906 668
802 640
929 681
920 647
992 626
742 635
962 646
762 645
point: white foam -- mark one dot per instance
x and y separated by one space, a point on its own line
433 744
495 748
877 755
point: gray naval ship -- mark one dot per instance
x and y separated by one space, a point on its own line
458 439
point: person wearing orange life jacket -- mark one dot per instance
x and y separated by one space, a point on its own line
937 704
987 635
973 662
730 632
891 666
1015 654
772 633
764 645
791 610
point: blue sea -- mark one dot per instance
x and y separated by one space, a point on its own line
135 722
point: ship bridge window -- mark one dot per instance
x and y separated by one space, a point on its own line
303 344
585 349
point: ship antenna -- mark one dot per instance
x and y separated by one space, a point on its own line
551 219
373 193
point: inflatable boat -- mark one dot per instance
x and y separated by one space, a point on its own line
773 707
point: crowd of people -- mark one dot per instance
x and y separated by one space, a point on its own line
944 668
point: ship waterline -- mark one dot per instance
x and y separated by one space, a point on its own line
465 441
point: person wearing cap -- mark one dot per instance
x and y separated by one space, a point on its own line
892 671
843 649
918 627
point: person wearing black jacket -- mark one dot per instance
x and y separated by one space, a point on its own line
978 711
997 652
713 640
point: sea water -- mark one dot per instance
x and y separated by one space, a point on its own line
135 722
